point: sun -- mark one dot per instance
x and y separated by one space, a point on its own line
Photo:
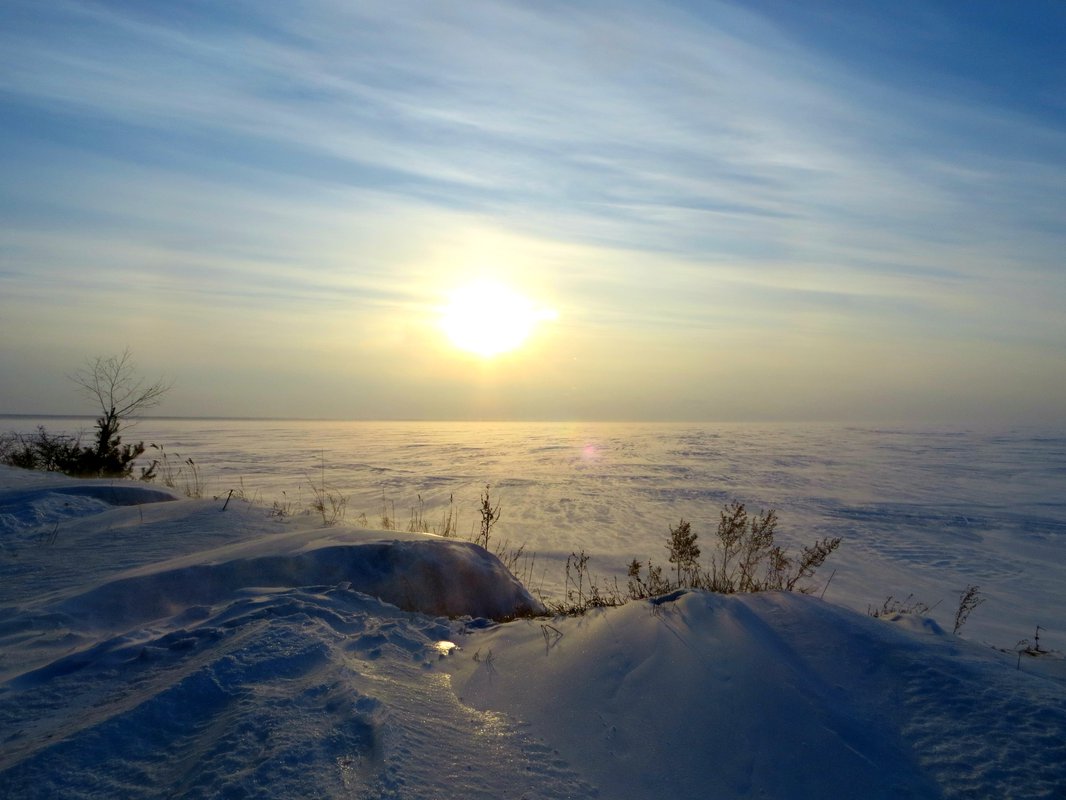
488 318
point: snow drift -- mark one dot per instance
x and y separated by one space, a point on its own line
773 695
170 649
438 577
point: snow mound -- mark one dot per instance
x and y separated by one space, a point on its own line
41 506
292 693
772 695
432 576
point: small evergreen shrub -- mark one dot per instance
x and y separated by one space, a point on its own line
41 451
60 452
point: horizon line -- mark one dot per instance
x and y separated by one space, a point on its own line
909 424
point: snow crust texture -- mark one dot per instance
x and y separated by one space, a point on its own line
291 694
775 695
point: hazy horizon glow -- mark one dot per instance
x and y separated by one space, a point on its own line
749 210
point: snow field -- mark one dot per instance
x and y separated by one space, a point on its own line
155 646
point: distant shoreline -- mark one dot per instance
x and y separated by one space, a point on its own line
870 425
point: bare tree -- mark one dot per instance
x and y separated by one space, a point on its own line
121 394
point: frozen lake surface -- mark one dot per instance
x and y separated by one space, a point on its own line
930 511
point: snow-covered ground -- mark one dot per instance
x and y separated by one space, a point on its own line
156 646
921 511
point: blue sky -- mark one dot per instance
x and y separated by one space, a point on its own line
761 210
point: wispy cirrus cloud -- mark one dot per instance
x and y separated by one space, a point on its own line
691 167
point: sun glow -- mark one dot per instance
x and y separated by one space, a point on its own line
488 319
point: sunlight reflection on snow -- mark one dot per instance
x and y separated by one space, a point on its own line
445 649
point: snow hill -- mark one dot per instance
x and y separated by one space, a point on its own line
152 646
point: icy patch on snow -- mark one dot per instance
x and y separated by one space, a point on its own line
444 648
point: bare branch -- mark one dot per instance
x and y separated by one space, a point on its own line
114 384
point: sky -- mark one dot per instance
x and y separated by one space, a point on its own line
848 211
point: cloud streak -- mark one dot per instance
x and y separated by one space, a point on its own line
673 167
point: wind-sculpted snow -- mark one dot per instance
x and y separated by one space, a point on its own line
28 508
284 694
181 650
774 695
432 576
